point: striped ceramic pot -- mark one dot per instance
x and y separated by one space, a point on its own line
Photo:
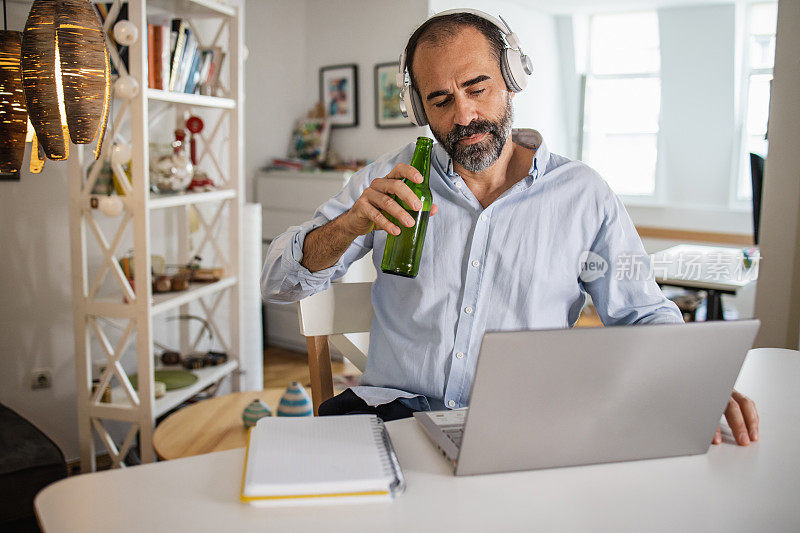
254 411
295 401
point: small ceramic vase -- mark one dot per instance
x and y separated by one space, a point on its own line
255 411
295 402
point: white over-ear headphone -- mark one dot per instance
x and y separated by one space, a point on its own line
514 65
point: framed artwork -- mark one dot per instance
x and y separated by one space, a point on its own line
338 92
309 139
387 97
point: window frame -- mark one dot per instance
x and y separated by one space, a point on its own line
656 196
741 165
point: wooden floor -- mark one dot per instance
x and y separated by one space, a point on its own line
282 366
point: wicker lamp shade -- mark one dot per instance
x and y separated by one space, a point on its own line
85 71
66 75
40 81
37 156
13 115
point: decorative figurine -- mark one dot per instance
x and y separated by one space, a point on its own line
255 411
162 284
111 206
171 168
295 401
193 362
170 357
195 125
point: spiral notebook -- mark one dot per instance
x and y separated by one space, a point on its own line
313 460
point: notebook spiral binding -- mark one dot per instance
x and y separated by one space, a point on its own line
389 457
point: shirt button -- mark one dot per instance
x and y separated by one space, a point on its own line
451 403
484 217
476 264
469 310
460 355
458 185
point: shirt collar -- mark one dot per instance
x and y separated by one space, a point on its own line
533 140
528 138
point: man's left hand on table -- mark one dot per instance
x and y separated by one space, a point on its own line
742 418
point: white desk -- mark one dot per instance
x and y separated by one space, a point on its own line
715 269
729 489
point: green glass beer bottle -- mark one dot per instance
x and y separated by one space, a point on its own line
402 254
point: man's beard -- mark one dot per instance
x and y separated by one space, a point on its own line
479 156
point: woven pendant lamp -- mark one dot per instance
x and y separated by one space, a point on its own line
85 71
40 81
37 156
13 115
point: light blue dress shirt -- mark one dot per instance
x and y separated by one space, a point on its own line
521 263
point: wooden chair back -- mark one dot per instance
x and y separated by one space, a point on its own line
343 315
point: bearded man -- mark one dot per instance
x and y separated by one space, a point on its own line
514 224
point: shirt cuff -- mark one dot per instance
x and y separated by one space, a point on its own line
375 396
296 273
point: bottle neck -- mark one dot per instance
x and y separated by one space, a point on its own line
421 160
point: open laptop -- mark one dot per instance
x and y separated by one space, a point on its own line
551 398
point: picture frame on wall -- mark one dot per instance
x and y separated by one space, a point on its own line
338 92
309 139
387 97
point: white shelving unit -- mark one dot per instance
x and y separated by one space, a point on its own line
135 308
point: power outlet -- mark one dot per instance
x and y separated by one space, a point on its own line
41 379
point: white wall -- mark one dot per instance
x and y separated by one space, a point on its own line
36 289
365 32
541 105
697 104
275 33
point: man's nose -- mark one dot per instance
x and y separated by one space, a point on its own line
464 110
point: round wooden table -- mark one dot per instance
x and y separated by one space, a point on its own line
209 425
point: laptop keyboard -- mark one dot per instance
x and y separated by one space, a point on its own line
451 423
455 434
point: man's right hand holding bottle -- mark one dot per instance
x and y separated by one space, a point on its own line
369 211
325 245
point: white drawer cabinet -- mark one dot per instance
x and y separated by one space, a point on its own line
290 197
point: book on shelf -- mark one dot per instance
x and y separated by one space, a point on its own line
187 62
206 55
177 53
217 58
177 62
158 37
166 55
151 59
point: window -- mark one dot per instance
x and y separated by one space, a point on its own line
762 20
622 101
